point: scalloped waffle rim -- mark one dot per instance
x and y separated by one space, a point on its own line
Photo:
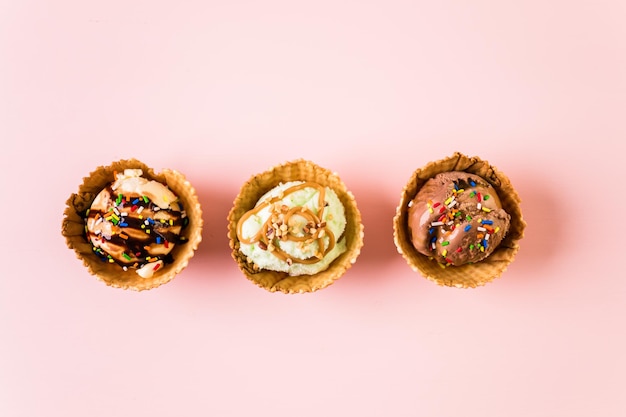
257 186
73 226
471 275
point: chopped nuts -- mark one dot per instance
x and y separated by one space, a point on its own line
303 226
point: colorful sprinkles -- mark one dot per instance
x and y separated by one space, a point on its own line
453 216
126 215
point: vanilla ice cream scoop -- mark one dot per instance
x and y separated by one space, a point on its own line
297 228
135 222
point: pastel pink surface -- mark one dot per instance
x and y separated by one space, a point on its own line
371 90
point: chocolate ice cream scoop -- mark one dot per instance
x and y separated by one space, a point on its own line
456 218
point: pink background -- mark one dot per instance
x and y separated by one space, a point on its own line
369 89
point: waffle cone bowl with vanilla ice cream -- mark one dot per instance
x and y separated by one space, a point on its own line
295 228
459 222
131 227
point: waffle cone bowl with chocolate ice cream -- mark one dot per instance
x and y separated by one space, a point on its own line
295 228
133 228
459 222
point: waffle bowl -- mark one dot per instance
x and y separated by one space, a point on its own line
298 170
73 226
469 275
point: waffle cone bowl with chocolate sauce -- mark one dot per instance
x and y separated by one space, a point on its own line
469 275
112 274
256 187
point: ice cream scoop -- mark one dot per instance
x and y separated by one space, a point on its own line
297 227
135 222
457 218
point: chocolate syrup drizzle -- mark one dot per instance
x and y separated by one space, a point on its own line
135 229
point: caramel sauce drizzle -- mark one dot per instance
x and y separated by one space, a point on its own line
276 228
